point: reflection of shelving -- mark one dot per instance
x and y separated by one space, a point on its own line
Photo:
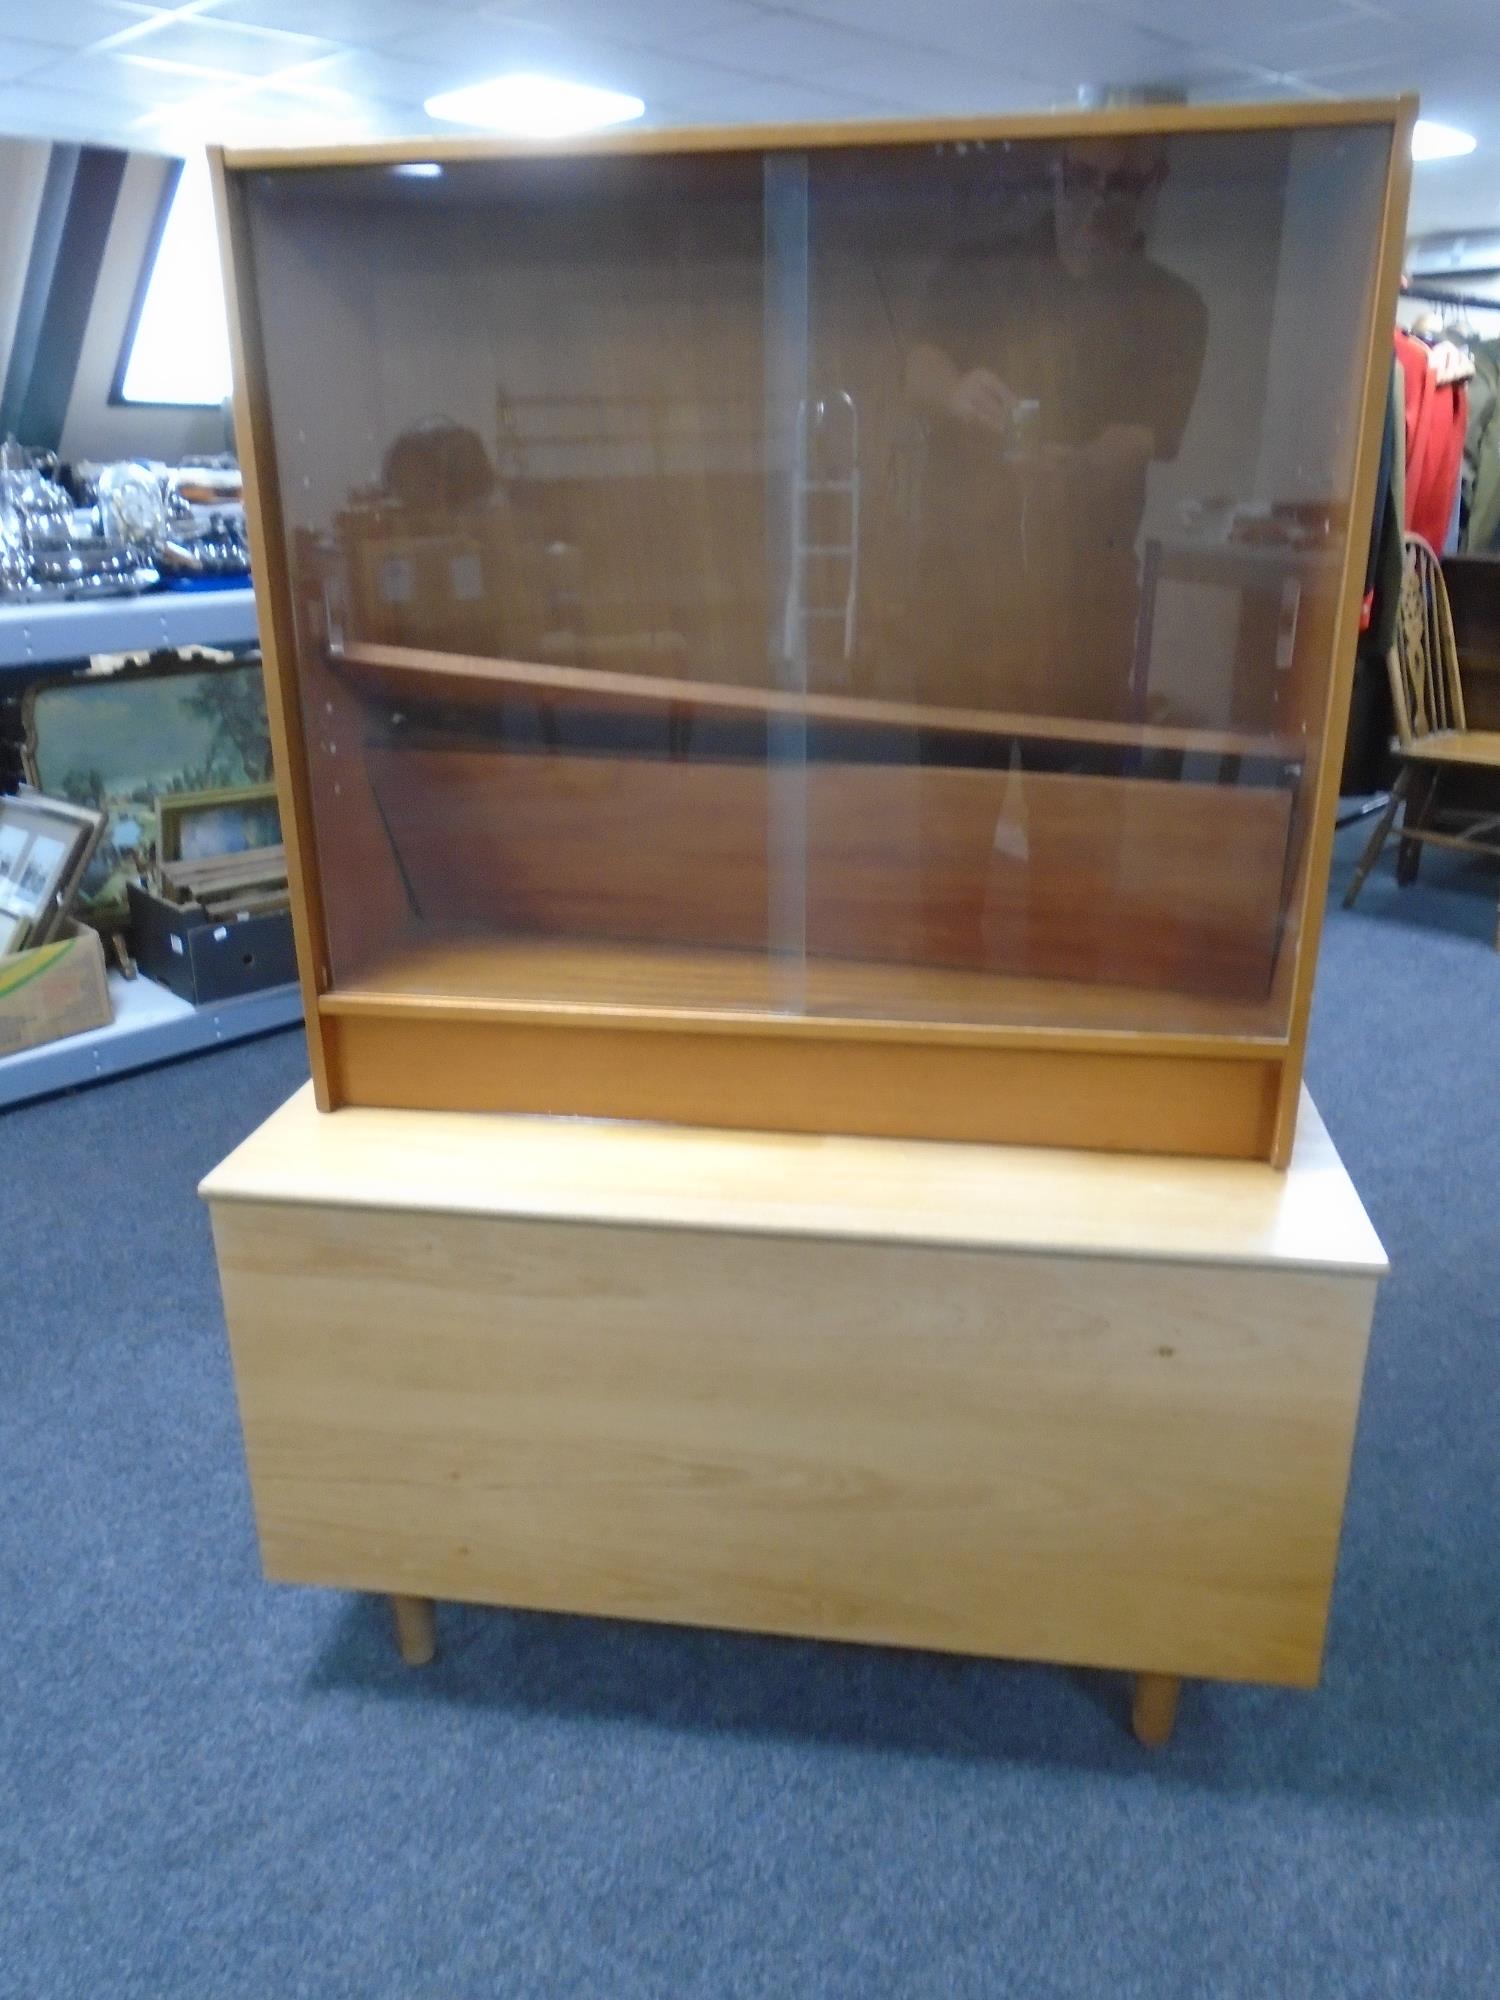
404 674
561 436
478 973
1271 580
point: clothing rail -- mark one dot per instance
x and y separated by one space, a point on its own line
1440 295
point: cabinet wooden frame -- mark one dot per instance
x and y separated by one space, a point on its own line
711 1065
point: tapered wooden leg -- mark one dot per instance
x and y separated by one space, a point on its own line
1377 838
1419 807
1154 1709
416 1628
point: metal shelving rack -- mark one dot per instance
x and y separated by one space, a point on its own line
150 1025
38 637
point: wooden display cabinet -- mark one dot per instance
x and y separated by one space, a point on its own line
700 579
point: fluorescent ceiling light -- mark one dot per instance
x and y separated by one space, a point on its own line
418 170
1431 141
535 107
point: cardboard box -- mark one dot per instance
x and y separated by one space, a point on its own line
203 958
53 990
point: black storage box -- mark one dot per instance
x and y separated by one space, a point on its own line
205 958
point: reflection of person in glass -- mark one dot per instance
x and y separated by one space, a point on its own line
1052 366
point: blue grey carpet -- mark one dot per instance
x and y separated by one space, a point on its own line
212 1787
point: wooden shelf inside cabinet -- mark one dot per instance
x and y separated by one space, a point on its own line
414 674
475 974
696 1037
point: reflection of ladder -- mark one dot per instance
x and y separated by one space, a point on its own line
826 463
511 461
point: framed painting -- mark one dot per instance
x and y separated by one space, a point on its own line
45 845
203 826
121 742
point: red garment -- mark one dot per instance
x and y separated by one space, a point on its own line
1436 419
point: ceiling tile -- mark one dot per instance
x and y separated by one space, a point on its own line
73 24
767 101
789 45
923 92
225 46
1448 77
925 80
1208 26
1078 45
266 117
470 51
1314 45
371 73
834 56
362 22
137 85
1464 24
873 17
21 58
370 63
485 49
1230 83
668 24
32 111
484 46
927 87
1062 43
656 77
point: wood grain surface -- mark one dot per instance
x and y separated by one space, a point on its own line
1038 1199
406 675
1036 874
1115 121
463 971
1369 392
1091 1460
784 1074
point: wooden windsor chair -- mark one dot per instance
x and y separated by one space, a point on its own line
1433 740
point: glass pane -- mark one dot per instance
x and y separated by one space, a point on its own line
1102 400
887 581
532 421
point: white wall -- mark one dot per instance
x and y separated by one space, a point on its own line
23 171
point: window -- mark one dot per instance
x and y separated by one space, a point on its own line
177 350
